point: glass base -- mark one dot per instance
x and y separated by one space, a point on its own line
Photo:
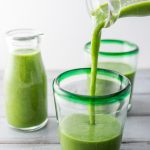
34 128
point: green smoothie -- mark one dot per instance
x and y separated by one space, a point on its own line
95 44
141 8
76 133
97 132
25 89
105 86
122 68
100 15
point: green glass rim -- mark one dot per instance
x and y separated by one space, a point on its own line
86 99
133 51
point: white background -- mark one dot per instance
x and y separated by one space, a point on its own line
67 27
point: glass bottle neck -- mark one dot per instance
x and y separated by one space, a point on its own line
15 45
23 39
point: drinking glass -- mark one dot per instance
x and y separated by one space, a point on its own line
118 55
72 103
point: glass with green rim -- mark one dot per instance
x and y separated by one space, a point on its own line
72 100
118 55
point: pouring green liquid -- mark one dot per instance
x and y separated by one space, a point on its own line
94 55
94 132
100 17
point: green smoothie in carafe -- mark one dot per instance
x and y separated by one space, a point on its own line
136 8
25 89
118 9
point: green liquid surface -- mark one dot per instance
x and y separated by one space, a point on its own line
122 68
76 133
106 87
25 89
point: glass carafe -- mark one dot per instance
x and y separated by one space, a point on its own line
25 82
110 10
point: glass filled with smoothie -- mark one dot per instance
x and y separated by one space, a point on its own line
75 108
117 55
25 82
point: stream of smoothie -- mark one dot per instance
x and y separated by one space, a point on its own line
93 131
138 8
94 55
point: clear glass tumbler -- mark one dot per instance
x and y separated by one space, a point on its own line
73 103
117 55
25 82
